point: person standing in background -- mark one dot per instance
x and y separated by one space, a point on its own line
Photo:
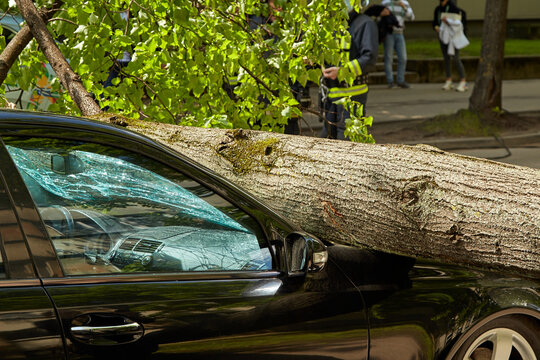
445 9
396 41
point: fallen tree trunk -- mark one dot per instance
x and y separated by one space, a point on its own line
412 200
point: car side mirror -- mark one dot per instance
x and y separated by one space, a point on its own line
304 254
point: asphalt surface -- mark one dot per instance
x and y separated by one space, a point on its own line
516 155
423 101
427 100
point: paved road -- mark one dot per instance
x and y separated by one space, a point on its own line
518 156
427 100
423 101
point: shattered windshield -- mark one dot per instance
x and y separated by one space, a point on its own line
99 179
109 210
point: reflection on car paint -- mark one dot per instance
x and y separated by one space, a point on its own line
29 315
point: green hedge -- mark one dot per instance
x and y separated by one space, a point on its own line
420 49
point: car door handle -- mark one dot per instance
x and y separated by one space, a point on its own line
93 329
127 329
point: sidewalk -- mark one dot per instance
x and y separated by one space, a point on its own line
425 100
398 110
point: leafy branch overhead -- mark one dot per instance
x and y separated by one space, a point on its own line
186 54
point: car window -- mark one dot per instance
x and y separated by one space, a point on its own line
108 210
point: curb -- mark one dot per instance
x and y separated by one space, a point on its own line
523 140
531 139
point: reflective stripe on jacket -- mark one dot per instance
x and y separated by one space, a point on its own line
339 92
361 49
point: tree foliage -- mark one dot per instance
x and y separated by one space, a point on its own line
185 54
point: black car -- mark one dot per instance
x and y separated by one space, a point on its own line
115 246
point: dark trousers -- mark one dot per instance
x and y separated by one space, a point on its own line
335 116
448 64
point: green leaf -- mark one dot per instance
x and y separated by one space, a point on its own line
181 15
303 78
83 69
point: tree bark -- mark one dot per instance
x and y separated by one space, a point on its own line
68 78
487 92
412 200
21 39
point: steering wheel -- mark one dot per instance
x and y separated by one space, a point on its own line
59 218
98 244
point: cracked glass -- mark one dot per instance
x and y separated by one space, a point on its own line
108 210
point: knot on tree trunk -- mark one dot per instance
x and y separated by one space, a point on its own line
455 234
246 153
74 77
416 199
414 188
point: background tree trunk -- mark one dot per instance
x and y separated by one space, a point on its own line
487 92
413 200
20 40
68 78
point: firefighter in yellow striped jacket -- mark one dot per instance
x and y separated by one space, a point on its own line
361 46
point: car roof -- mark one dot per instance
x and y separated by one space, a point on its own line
11 21
21 118
33 119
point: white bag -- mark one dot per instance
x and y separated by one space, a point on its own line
451 33
451 16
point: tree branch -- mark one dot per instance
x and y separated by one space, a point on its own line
62 19
68 78
21 39
259 81
153 92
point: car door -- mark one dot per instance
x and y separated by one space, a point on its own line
157 258
28 324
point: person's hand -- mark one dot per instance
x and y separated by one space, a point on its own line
437 28
331 72
402 4
445 20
